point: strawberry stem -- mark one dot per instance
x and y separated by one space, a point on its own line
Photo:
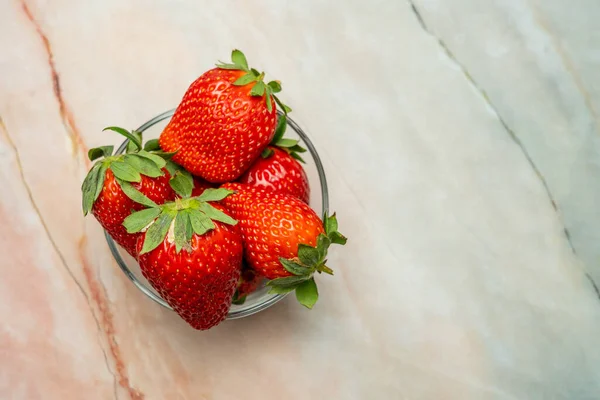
252 77
326 269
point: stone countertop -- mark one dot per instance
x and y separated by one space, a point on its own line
461 142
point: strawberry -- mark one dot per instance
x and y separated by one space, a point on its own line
224 121
118 184
278 168
248 283
200 186
191 253
284 239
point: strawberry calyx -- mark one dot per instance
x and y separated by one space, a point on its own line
290 146
309 260
256 79
237 299
127 168
180 219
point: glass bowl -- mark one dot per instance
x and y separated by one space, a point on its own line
260 299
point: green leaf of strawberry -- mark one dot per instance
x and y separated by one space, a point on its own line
223 65
135 138
275 86
294 268
337 238
297 149
200 222
155 157
307 293
189 216
125 172
239 58
180 231
290 146
288 281
258 89
143 165
216 215
323 243
266 153
214 194
157 231
238 300
331 229
100 179
280 129
182 183
135 194
245 79
89 188
132 147
268 97
286 110
308 255
140 219
287 143
102 151
172 168
165 155
189 230
152 145
281 289
297 157
330 223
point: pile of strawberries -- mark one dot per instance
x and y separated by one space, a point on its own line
218 203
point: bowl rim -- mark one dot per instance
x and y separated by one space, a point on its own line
273 298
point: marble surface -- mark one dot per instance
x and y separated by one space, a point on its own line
461 143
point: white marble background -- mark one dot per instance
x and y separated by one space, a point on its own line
461 141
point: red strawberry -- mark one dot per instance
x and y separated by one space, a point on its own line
224 121
248 283
191 253
278 168
278 171
284 239
118 185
